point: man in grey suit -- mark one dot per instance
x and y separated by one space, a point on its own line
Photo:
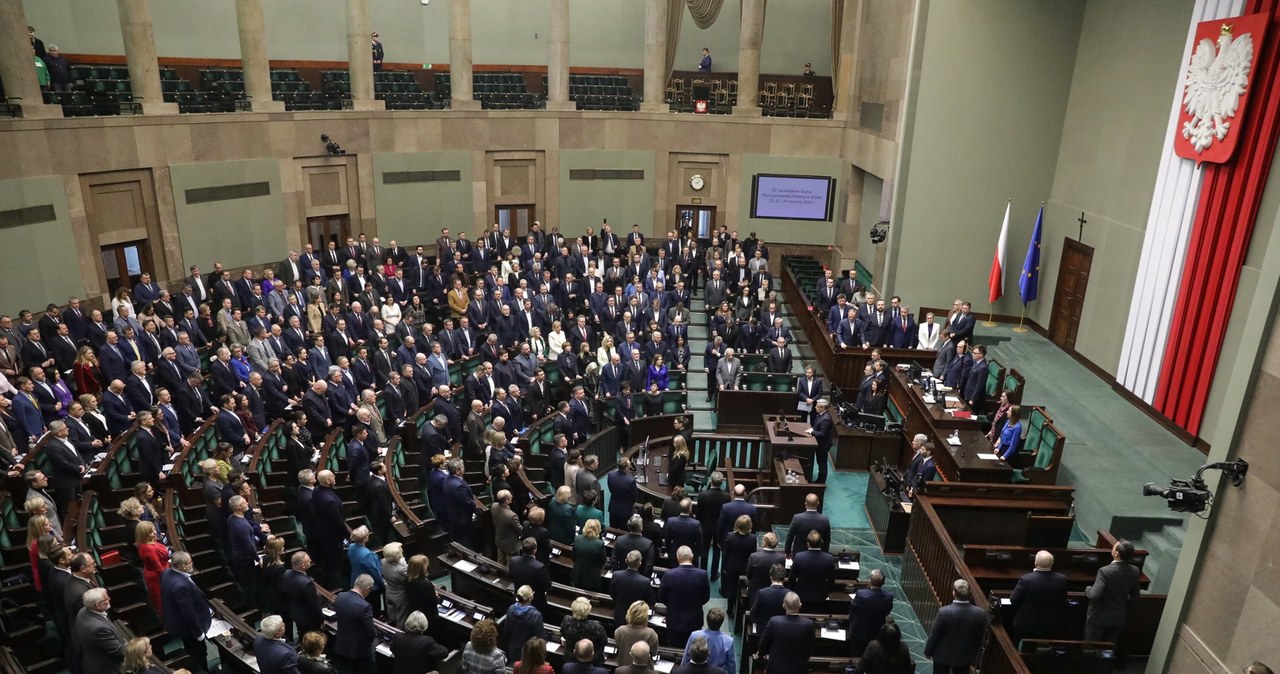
100 642
957 633
1109 596
728 372
506 527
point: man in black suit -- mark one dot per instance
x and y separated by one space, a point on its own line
325 543
68 467
809 520
274 655
767 603
813 573
956 636
525 569
787 640
823 430
1115 587
634 540
230 428
974 390
353 646
962 324
186 611
584 656
151 450
868 607
1038 601
461 503
684 590
760 562
622 495
630 585
302 602
380 503
710 504
684 530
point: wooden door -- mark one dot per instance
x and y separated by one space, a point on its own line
323 229
698 219
123 264
515 220
1068 298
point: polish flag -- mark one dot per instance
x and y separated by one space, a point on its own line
995 281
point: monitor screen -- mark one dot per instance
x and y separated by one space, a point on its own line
783 197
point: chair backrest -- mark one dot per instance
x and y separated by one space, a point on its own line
995 376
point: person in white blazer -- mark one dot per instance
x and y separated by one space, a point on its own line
930 333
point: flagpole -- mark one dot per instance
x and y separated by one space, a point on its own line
991 317
1020 328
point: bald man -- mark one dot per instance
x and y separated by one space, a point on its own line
1039 601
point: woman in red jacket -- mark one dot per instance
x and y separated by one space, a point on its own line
155 559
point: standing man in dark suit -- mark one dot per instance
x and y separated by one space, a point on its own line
809 391
526 569
684 590
353 646
634 541
813 573
868 607
759 564
100 643
1038 601
734 509
274 654
461 503
151 450
622 494
186 611
710 504
380 503
302 602
684 530
956 637
974 390
325 543
68 468
809 520
823 431
1115 587
630 585
962 324
788 639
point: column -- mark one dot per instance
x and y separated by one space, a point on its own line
460 56
17 65
749 58
655 56
846 70
558 58
253 57
360 57
140 50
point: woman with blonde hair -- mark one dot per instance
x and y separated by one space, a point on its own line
137 654
273 568
588 557
580 625
556 339
679 461
38 527
311 657
155 560
131 511
561 519
636 630
606 352
420 592
395 575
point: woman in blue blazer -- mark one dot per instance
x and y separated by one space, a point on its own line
1011 437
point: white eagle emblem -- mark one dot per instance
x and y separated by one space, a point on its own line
1215 81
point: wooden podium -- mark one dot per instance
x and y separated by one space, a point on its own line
792 453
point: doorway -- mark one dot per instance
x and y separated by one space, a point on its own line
1068 297
700 219
123 263
514 220
325 228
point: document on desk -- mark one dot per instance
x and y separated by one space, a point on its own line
952 399
848 566
465 566
553 646
659 620
834 635
386 650
988 457
664 666
328 612
217 628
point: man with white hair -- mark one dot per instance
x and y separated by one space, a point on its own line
956 637
275 656
242 546
101 646
1039 601
728 372
413 645
684 590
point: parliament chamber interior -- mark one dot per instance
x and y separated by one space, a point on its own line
692 336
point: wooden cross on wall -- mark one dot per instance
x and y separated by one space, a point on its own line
1081 220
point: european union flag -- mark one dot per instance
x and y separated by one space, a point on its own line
1029 281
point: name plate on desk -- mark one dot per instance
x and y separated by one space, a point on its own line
465 566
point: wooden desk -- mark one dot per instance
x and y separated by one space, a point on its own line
941 412
791 495
798 445
856 448
889 519
955 463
